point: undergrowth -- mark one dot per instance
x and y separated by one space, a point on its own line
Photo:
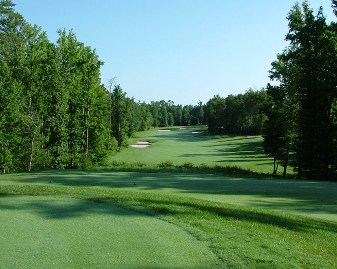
169 166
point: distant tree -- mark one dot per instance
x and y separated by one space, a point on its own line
178 115
236 114
118 112
186 115
163 116
214 114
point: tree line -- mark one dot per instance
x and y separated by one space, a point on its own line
55 113
240 114
297 114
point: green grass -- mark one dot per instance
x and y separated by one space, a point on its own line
181 146
62 232
169 206
230 218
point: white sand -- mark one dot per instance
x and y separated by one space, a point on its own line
196 132
141 144
164 130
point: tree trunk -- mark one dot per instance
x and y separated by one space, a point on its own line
286 160
30 164
87 146
275 166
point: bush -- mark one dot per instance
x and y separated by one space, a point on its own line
166 164
187 165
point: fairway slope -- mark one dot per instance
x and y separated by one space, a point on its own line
165 217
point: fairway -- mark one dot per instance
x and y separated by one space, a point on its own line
125 218
163 166
304 197
154 219
192 145
108 219
58 232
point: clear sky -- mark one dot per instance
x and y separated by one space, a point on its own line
179 50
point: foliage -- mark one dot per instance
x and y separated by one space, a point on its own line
166 164
54 112
278 131
306 71
236 114
166 114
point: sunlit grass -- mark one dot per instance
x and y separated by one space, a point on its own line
238 234
62 232
194 145
183 202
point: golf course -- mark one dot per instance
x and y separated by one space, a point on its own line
167 204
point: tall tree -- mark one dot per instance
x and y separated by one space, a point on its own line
307 70
214 114
11 62
119 112
278 132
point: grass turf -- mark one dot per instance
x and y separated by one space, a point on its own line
240 236
193 145
309 198
91 218
59 232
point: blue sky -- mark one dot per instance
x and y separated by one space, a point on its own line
179 50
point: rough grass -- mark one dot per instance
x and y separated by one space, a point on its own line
240 236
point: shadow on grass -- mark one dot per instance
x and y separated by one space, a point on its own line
60 208
236 213
309 197
154 205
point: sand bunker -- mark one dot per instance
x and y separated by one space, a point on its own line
164 130
141 144
196 132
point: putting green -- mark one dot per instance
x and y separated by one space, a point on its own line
58 232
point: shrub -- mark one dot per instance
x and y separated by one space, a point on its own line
166 164
188 165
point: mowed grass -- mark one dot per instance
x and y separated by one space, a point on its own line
148 218
62 232
193 145
225 222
